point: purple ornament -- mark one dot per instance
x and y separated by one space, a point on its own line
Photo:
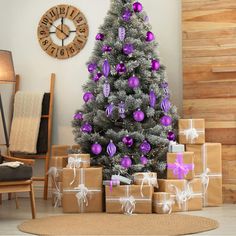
137 7
106 48
145 147
92 67
126 162
86 128
128 49
155 65
139 115
96 148
128 141
109 110
143 160
97 77
166 120
126 15
111 149
164 86
78 116
165 105
100 36
121 68
133 82
121 33
106 89
88 96
106 68
171 136
150 36
122 110
152 98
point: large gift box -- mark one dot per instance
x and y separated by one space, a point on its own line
186 194
57 164
129 199
162 203
208 167
191 131
82 190
79 160
180 165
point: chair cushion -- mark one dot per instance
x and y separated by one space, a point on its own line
22 172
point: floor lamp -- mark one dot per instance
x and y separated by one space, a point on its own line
7 75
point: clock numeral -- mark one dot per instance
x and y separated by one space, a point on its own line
52 13
45 21
72 49
82 30
43 32
72 12
45 43
79 19
62 53
62 10
52 50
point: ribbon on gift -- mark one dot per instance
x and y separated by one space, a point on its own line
179 168
165 204
111 183
82 195
57 196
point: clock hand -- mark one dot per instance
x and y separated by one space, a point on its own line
59 30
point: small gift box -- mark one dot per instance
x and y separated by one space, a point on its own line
82 191
57 194
175 147
162 203
180 165
208 167
191 131
78 161
127 199
111 183
122 179
186 194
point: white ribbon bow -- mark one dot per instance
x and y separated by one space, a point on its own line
82 195
53 171
73 163
191 134
167 206
128 205
58 197
205 179
150 180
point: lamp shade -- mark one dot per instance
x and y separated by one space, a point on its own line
7 73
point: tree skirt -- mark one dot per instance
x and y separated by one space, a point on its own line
112 224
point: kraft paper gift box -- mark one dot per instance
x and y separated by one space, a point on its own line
186 194
208 167
127 199
78 161
175 147
191 131
82 190
162 203
57 194
180 165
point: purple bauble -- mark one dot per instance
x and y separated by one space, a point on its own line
171 136
106 68
126 162
128 49
133 82
121 68
88 96
78 116
166 120
100 36
143 160
150 36
164 85
137 7
145 147
139 115
92 67
155 65
111 149
121 33
152 98
97 77
126 15
165 104
106 48
128 141
86 128
96 148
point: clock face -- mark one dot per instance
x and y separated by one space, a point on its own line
63 31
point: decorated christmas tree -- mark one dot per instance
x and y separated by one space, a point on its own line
127 120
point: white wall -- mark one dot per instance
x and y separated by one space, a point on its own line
19 20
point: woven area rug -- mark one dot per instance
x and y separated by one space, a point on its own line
109 224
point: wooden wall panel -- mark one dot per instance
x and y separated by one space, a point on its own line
209 70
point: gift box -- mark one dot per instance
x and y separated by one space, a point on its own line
175 147
208 167
127 199
78 161
122 179
162 203
57 194
187 195
180 165
191 131
82 190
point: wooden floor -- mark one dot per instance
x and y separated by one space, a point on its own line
10 217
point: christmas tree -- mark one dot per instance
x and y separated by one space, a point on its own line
127 120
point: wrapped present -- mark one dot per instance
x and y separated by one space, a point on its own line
175 147
162 203
191 131
186 194
111 183
180 165
122 179
208 167
127 199
78 161
82 191
57 194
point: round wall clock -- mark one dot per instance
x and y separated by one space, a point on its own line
63 31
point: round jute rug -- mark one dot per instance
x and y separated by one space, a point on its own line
109 224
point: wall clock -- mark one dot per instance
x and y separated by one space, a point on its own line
63 31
